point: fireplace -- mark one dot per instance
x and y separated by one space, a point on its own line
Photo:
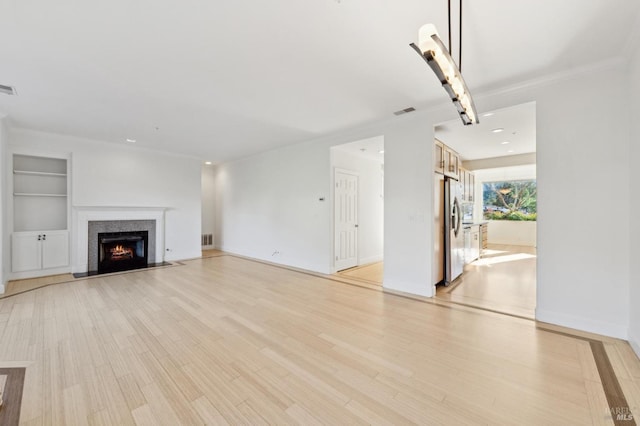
121 251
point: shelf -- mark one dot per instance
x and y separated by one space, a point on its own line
27 172
27 194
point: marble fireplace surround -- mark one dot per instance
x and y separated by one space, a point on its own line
106 216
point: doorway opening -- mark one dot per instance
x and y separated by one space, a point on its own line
358 210
492 167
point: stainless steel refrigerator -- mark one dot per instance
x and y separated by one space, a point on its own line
449 241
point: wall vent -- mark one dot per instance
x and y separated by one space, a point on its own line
7 90
206 240
404 111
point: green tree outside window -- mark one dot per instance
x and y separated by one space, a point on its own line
510 200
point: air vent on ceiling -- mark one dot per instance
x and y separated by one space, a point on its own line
404 111
7 90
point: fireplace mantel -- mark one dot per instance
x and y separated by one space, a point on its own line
82 215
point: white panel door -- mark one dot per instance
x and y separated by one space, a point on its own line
346 219
55 249
26 252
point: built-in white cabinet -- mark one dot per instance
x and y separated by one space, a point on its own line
34 251
472 243
40 238
39 193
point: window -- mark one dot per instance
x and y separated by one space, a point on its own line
509 200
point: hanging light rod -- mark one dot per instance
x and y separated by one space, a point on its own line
434 52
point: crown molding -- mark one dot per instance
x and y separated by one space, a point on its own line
548 79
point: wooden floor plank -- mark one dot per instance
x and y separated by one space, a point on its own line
225 340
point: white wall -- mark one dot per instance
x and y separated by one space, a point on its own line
113 175
269 203
268 206
4 242
370 202
583 276
208 194
634 291
582 137
512 232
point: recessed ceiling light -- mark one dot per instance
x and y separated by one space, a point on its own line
208 163
488 114
510 150
381 151
498 130
505 142
131 140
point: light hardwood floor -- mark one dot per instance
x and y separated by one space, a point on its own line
371 273
225 340
503 280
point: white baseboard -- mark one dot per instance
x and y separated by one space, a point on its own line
284 261
370 259
634 341
39 273
419 289
583 324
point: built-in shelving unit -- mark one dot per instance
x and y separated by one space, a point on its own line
39 193
40 237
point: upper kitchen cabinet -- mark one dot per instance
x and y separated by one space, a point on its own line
451 163
438 157
468 184
446 160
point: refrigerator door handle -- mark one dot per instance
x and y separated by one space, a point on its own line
456 217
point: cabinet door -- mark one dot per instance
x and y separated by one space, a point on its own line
26 253
452 164
471 180
55 249
438 157
475 244
463 184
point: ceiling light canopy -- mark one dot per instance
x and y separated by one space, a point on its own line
434 52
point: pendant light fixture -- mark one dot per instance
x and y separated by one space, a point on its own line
434 52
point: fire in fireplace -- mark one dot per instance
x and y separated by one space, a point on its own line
121 251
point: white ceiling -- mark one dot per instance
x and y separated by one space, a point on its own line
500 133
224 79
371 148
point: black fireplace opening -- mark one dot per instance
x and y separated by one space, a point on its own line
122 251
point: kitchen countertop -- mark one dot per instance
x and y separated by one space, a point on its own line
470 224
